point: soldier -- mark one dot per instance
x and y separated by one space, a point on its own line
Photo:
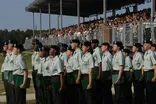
118 72
86 67
70 77
153 48
150 72
106 74
56 70
4 71
77 59
138 82
97 55
128 76
20 72
34 59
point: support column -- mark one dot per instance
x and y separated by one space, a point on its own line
61 18
49 17
113 12
40 22
104 11
78 13
83 19
58 22
152 20
135 8
33 24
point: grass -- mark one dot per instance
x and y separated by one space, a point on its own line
28 102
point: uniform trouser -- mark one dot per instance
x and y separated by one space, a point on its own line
107 92
128 92
20 95
138 92
6 90
47 90
119 94
150 92
34 74
40 90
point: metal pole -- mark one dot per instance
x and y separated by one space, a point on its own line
104 11
78 12
113 13
33 24
61 19
40 22
49 17
152 17
58 22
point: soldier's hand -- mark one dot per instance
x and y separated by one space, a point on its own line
154 79
49 88
12 83
60 89
98 78
77 81
117 81
89 87
22 86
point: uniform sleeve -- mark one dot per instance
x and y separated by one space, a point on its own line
32 60
153 58
121 59
99 57
129 63
59 65
22 64
79 59
65 59
91 62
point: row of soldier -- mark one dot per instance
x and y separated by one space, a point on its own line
66 74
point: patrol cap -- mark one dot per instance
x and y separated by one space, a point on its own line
75 41
35 41
126 51
86 43
148 41
138 45
119 44
19 46
95 41
105 44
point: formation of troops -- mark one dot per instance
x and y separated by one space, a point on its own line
82 73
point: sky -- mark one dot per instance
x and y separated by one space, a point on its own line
13 16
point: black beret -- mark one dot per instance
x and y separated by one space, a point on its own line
63 45
18 46
70 48
55 47
12 41
95 41
43 49
35 41
148 41
105 44
154 45
5 43
87 43
126 50
118 43
75 41
138 45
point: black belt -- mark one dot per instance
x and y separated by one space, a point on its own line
115 72
75 72
85 76
55 78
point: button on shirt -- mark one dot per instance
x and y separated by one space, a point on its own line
77 59
128 63
87 63
19 65
106 61
118 60
45 65
64 58
97 56
137 61
149 60
70 65
56 66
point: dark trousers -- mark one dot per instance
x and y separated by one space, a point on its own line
71 94
128 92
107 92
34 74
98 91
6 90
40 92
20 95
89 96
138 92
119 94
150 92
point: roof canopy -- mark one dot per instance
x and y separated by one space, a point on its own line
69 7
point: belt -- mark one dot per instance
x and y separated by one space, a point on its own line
75 72
55 78
85 76
115 72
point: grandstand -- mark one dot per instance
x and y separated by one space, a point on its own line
128 28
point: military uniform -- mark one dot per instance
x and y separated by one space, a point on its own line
106 78
64 58
86 64
56 69
138 83
18 71
149 63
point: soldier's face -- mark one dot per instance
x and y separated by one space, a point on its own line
153 49
115 48
93 45
73 45
41 53
134 49
5 47
125 54
84 49
103 48
146 46
69 53
33 46
10 46
15 51
51 52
